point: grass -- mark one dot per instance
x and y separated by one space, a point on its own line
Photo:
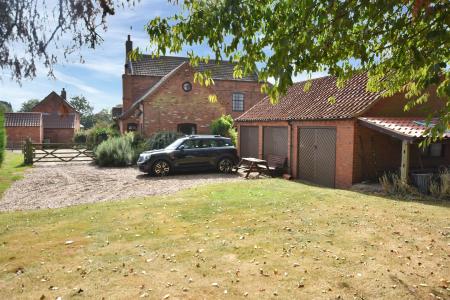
252 239
11 170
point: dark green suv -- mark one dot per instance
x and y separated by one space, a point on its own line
191 153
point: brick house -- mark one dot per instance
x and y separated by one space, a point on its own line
20 126
53 120
159 94
357 138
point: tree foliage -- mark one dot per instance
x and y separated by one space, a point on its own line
82 105
404 46
224 126
6 106
28 105
103 117
46 30
162 139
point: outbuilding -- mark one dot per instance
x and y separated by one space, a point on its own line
357 136
53 120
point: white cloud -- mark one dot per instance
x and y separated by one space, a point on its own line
111 68
76 82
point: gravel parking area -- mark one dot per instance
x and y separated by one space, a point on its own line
58 185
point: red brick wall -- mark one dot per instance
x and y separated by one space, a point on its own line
394 107
419 161
133 87
16 135
344 148
375 153
261 126
224 90
59 135
345 130
170 105
52 103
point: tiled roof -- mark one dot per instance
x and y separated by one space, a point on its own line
54 96
403 128
26 119
148 65
350 101
59 121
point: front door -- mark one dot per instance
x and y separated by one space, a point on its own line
317 155
187 128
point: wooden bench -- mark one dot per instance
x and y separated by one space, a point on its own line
276 164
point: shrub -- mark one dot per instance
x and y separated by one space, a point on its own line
224 126
116 151
96 135
393 185
2 136
440 185
162 139
80 137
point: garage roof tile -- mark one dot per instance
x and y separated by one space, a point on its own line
297 104
23 119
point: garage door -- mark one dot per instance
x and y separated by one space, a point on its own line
248 141
317 155
275 141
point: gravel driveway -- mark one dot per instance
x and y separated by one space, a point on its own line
59 185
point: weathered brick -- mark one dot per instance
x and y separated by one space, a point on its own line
171 105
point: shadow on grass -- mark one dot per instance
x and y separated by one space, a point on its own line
417 198
188 175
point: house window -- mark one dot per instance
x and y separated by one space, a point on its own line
238 102
433 150
187 86
131 127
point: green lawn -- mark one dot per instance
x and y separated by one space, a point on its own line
255 239
11 170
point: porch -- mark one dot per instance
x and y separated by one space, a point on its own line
393 145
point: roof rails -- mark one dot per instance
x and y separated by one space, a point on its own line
202 135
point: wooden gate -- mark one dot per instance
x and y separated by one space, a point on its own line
56 152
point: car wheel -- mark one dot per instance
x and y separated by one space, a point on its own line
225 165
161 168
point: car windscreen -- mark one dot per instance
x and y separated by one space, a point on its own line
175 144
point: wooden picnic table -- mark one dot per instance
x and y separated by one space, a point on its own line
250 164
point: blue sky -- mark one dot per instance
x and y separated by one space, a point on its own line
99 78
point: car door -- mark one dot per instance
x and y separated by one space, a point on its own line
205 153
187 154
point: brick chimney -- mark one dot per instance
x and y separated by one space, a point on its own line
63 94
128 46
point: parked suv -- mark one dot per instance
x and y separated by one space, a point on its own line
190 153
